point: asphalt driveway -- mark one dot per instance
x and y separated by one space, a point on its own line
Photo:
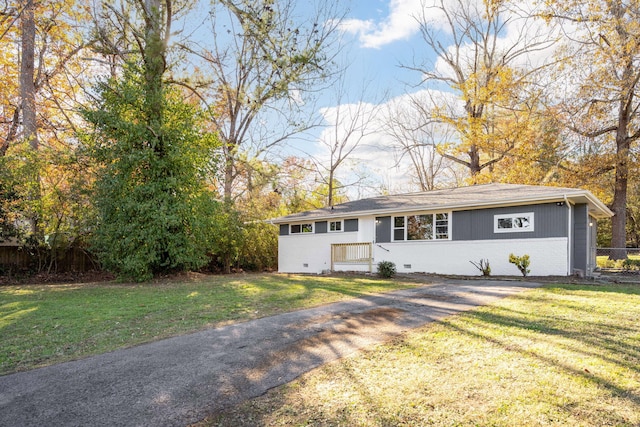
178 381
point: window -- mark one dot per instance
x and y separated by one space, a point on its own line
421 227
335 226
513 223
301 228
398 228
442 226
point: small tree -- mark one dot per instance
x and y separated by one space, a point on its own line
483 266
349 124
522 262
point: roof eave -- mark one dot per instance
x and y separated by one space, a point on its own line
599 210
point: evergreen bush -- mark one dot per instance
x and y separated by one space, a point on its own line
386 269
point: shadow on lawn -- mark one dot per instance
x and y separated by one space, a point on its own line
43 324
570 329
169 382
564 328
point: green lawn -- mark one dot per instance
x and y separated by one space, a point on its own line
44 324
558 355
563 355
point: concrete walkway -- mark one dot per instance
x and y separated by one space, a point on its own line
180 380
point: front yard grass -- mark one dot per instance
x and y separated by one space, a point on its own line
45 324
555 356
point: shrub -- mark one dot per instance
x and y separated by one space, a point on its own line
604 262
483 266
386 269
522 262
631 264
259 251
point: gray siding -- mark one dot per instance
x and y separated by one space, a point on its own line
550 220
580 237
321 227
383 229
284 229
351 224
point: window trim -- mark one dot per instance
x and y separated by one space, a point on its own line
434 232
341 222
302 228
512 216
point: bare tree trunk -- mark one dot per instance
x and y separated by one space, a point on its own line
27 73
619 206
474 161
28 95
229 177
330 188
623 145
154 59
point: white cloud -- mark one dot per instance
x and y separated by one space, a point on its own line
357 26
400 24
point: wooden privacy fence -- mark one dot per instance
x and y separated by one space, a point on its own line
352 253
15 258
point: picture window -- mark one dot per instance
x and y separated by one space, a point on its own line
421 227
513 223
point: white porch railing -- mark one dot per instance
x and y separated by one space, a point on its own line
352 253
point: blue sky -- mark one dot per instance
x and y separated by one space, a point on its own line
380 36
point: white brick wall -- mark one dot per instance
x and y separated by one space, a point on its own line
548 256
311 253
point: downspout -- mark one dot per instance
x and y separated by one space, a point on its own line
569 235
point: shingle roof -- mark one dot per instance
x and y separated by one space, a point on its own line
476 196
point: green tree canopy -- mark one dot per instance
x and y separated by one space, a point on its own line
154 210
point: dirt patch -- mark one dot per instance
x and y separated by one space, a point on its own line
379 313
434 296
376 313
57 278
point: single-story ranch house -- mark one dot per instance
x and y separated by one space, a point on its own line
441 231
